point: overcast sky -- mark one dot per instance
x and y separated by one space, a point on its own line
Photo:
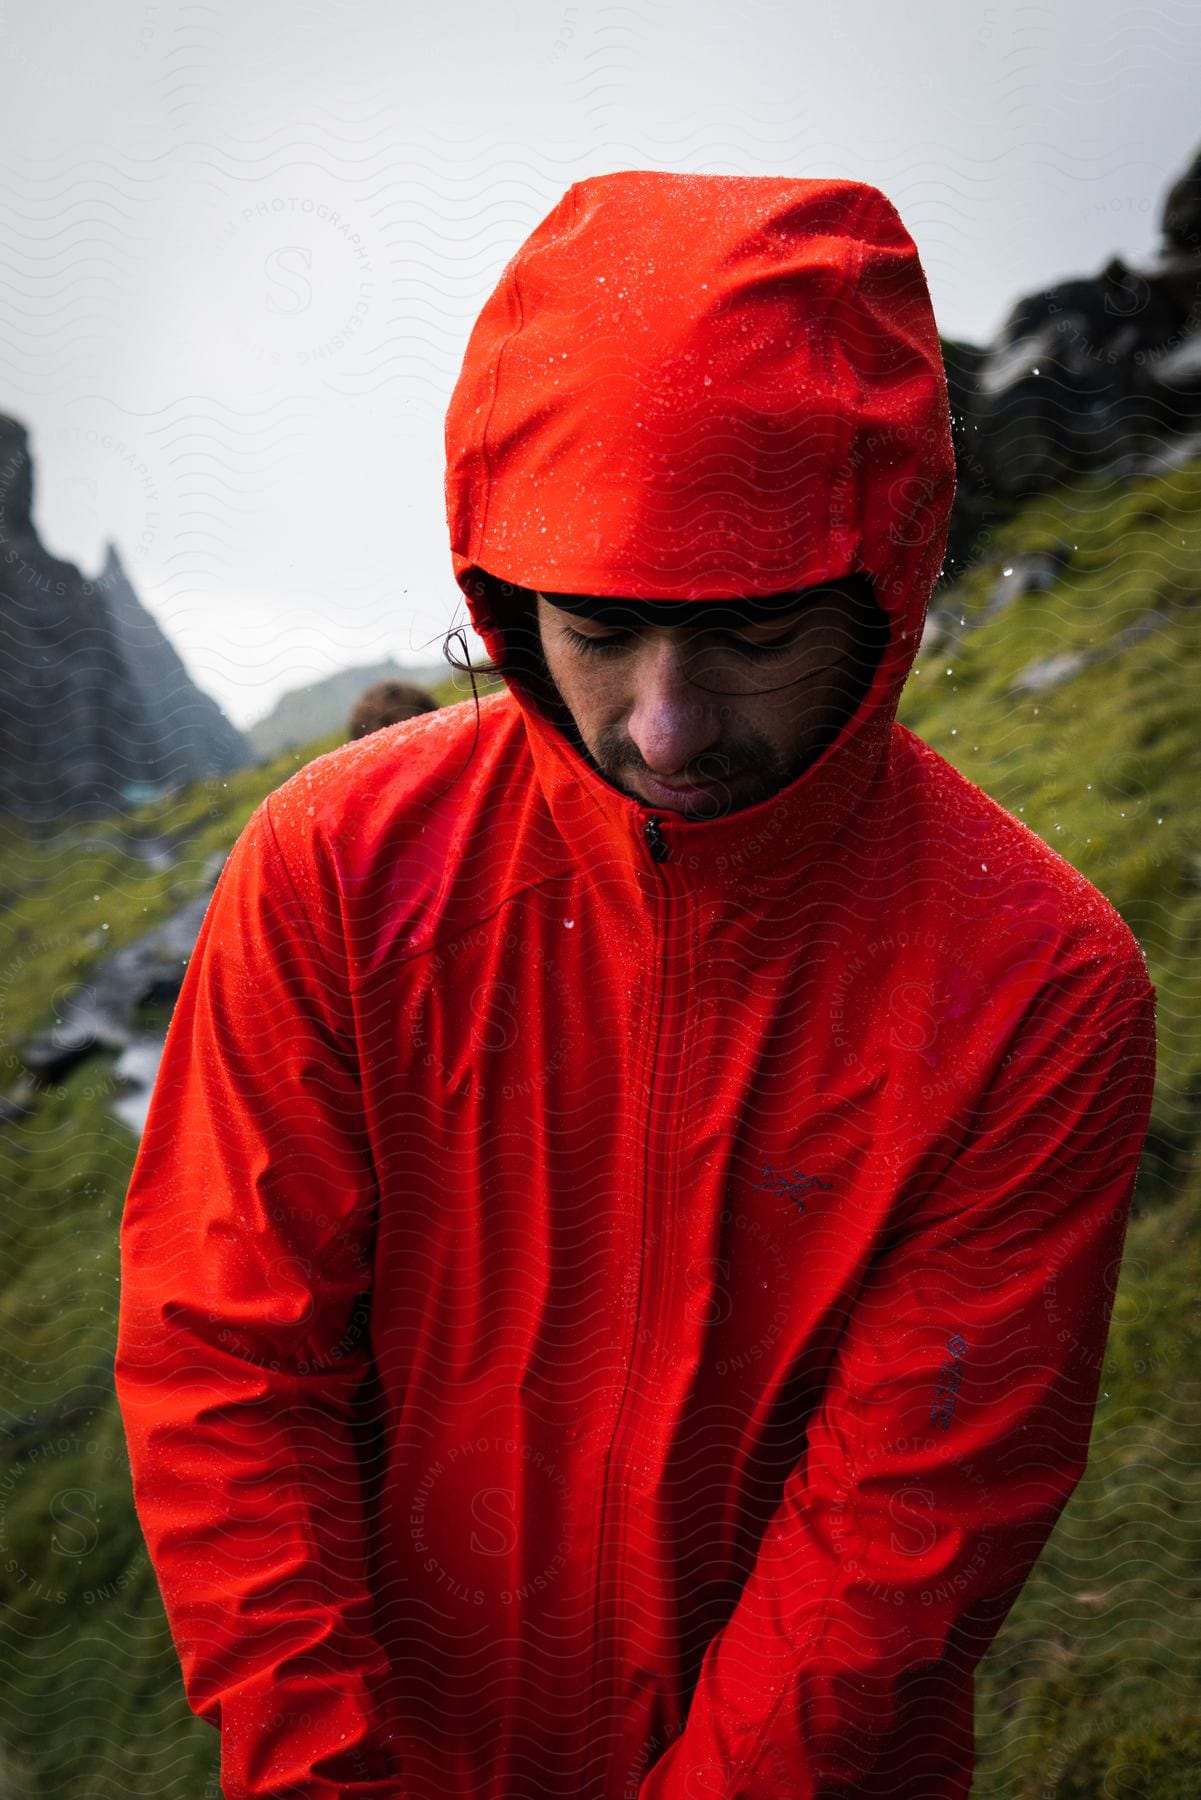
249 400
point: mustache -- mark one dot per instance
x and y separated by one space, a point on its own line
618 753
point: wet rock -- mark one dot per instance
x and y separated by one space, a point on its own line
1042 676
1030 573
19 1102
137 1067
101 1013
933 632
1049 673
1094 374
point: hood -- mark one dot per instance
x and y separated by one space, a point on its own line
691 387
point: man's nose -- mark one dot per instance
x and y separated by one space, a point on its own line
672 722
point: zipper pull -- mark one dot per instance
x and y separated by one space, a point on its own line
660 849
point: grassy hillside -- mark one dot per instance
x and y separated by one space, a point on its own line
1093 1688
90 1704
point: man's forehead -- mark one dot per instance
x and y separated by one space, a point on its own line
611 609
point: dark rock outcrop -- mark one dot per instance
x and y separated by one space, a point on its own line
1098 374
186 733
96 709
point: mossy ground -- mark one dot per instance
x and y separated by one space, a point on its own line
1093 1687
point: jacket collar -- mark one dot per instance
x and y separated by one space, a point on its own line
800 833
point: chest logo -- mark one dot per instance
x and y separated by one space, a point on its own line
793 1184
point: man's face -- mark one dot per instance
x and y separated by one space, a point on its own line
712 716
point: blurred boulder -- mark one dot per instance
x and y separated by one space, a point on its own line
388 703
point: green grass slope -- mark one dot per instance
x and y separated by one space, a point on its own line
1093 1687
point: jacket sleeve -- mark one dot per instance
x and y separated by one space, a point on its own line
243 1334
954 1427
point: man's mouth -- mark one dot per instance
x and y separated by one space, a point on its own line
685 794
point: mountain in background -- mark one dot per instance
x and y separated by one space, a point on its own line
97 711
306 713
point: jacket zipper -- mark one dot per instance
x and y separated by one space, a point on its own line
660 852
659 847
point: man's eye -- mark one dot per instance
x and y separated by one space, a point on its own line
594 646
727 640
776 647
772 647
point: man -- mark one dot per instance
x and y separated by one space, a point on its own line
617 1271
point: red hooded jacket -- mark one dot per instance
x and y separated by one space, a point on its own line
613 1310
